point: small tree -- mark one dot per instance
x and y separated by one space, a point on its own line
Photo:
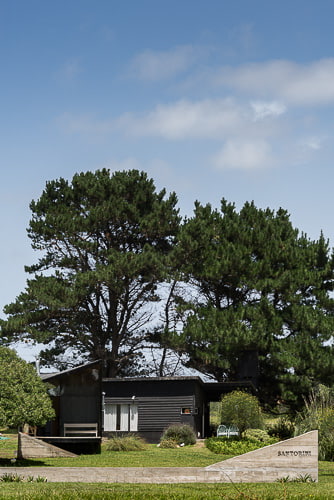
23 395
242 410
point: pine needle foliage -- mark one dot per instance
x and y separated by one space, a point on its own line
257 285
105 241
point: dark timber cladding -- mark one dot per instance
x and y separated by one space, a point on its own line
77 398
149 405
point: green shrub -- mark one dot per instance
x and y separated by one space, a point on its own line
326 435
242 410
234 447
10 477
282 429
38 479
127 442
168 443
181 433
319 414
257 435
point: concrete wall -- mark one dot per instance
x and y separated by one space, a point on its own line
29 447
292 458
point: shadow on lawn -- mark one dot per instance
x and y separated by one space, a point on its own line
12 462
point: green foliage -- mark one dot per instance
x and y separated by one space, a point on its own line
258 285
257 435
230 446
106 241
306 478
181 433
168 443
127 442
318 413
37 479
24 397
242 410
10 477
282 429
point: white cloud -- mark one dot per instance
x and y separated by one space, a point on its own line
265 109
154 65
211 119
243 155
297 84
314 143
208 119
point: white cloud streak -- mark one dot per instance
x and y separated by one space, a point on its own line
297 84
243 155
265 109
207 119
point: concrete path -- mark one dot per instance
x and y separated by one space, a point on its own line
120 474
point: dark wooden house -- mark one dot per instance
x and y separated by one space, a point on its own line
88 406
148 405
77 399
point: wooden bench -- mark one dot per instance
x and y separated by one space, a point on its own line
86 429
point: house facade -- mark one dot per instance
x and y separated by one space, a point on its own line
148 405
88 406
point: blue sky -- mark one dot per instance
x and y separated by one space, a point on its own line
212 98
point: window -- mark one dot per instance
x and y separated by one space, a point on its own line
186 411
121 417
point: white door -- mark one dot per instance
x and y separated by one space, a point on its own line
110 417
133 418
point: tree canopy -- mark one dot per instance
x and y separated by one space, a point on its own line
23 395
258 285
106 241
239 281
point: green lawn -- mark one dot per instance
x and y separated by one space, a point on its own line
188 456
274 491
182 457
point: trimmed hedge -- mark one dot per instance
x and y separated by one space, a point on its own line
235 446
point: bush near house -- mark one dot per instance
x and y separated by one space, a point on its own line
283 428
242 410
257 435
129 442
168 443
181 433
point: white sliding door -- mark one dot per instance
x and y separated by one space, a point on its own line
120 417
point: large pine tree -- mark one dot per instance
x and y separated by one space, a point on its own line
259 285
106 241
